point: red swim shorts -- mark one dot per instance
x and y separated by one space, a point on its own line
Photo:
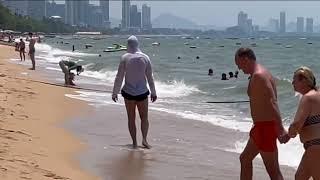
264 135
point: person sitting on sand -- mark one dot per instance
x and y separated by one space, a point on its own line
307 123
66 67
135 67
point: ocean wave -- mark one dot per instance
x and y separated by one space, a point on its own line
55 54
164 89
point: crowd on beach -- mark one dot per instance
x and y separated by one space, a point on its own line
20 46
135 69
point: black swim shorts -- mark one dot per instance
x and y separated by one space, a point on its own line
140 97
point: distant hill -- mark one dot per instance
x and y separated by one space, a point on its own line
172 21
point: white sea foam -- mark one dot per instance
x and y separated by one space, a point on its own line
289 154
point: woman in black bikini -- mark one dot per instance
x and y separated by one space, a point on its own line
307 123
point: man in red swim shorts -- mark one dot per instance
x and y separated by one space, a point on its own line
267 123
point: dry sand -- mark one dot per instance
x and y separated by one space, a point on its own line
32 145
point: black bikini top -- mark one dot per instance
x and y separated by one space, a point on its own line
311 120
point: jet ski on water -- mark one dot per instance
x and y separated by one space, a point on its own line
115 48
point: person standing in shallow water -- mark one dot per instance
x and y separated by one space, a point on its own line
267 123
135 67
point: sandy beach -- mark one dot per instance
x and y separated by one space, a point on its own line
33 143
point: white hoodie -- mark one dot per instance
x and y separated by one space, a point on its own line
135 66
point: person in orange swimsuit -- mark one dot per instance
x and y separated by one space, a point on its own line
267 124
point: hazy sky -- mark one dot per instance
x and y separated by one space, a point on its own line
224 13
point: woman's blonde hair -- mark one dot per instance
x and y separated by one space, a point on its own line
305 72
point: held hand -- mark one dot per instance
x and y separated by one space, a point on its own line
292 133
153 98
115 97
283 137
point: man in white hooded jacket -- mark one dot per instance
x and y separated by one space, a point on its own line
135 67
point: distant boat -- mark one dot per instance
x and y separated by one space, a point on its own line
238 43
186 43
302 38
115 50
309 43
253 44
88 45
193 47
155 44
88 33
278 43
51 35
189 38
117 47
221 46
288 46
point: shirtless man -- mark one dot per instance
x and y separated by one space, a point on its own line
267 123
32 51
22 49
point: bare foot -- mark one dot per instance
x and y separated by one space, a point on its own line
145 144
134 146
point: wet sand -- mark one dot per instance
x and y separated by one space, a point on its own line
33 145
182 148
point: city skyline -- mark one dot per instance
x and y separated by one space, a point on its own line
211 12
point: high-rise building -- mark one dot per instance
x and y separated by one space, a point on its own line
76 12
69 12
95 17
282 22
104 5
125 22
54 9
82 12
249 26
37 9
300 24
146 17
309 25
274 25
133 15
242 20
